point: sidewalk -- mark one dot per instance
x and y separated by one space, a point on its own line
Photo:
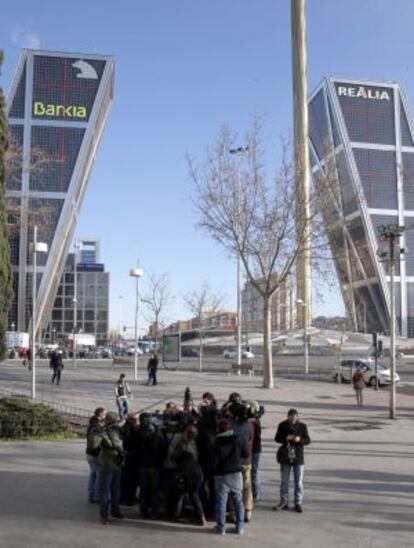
358 479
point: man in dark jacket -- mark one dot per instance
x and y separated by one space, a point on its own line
151 454
229 451
152 368
293 436
56 363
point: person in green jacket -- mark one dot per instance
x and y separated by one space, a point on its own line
110 462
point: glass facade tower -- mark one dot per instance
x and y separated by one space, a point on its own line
361 141
57 109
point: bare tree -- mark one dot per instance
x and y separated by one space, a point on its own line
156 301
254 218
203 303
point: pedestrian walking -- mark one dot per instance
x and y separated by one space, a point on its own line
358 385
152 368
56 363
122 391
293 436
229 450
95 427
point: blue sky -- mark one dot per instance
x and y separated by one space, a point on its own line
183 69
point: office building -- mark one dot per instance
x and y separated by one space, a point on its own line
92 294
283 308
361 142
57 108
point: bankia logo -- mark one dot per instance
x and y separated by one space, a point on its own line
59 111
364 92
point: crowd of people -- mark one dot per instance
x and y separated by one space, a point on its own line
195 461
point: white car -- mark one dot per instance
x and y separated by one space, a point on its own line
348 368
231 355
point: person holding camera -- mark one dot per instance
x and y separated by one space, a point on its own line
230 450
95 427
293 436
110 462
151 453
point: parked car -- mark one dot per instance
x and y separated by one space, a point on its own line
231 355
187 352
386 353
367 366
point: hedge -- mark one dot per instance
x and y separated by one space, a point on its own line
20 418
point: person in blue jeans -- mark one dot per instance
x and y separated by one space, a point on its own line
293 436
109 465
229 451
95 426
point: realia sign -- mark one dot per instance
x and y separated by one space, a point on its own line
362 92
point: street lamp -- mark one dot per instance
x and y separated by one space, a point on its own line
391 234
136 273
37 247
306 357
75 300
239 151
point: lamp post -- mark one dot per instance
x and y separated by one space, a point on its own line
239 151
136 273
75 300
37 247
391 235
305 334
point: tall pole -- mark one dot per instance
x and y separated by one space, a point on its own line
301 155
239 151
389 234
392 341
136 329
75 302
306 346
34 287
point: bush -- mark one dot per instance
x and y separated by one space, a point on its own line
21 418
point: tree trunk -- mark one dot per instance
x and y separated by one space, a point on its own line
267 343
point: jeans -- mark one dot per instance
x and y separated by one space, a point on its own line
123 409
93 483
298 471
152 376
57 372
229 484
256 487
109 491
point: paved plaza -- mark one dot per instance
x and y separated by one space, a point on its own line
358 479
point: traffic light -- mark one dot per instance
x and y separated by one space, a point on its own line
379 347
375 339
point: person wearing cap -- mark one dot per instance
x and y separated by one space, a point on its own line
293 436
110 460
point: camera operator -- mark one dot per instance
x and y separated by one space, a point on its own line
110 461
151 453
243 428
